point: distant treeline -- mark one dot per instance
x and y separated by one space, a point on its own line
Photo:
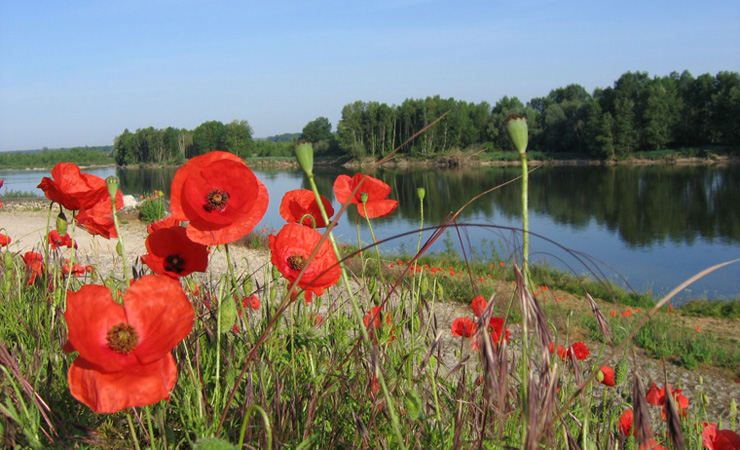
87 156
638 113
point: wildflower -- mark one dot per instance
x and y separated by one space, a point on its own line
220 196
124 350
76 270
85 193
34 265
651 444
712 438
375 316
579 350
656 396
4 240
252 302
561 351
625 422
290 251
613 313
464 327
370 198
172 253
627 313
56 241
300 206
496 328
479 305
698 328
606 376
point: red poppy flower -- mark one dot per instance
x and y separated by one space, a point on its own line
712 438
579 350
124 350
165 222
220 196
496 328
651 444
625 422
561 351
76 270
251 302
97 219
375 191
607 376
34 265
172 253
300 206
56 241
656 396
290 251
479 305
464 327
375 316
71 188
4 240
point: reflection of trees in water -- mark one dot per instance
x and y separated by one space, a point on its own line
645 205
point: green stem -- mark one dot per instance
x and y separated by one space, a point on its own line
120 248
132 429
525 219
358 316
265 419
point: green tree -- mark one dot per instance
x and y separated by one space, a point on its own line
238 138
317 130
208 136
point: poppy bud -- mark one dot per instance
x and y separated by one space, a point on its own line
248 285
620 372
421 193
212 443
516 126
8 260
304 155
424 286
599 376
112 183
440 291
119 249
61 224
227 314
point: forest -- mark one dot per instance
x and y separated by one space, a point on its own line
637 113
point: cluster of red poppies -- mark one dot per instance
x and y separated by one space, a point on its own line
467 327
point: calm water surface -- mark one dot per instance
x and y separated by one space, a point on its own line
649 227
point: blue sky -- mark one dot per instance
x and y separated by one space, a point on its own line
78 73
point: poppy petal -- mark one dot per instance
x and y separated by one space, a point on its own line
138 385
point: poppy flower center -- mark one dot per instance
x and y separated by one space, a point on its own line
122 338
297 262
216 200
174 263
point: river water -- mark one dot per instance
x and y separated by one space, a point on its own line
646 227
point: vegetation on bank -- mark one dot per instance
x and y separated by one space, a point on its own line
637 114
50 158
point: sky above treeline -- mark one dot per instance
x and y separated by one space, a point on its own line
79 73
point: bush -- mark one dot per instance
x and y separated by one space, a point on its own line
153 208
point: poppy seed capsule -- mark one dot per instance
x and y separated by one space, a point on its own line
516 126
61 224
304 155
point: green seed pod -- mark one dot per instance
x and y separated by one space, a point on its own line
516 126
248 285
112 183
599 376
304 155
227 312
424 284
620 372
61 224
440 291
421 193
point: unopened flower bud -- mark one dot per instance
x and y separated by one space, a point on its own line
304 155
516 126
61 224
421 192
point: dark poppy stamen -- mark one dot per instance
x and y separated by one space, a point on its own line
174 263
122 338
216 200
297 262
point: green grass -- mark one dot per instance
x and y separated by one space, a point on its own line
727 309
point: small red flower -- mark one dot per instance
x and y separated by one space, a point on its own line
56 241
625 422
251 302
4 240
651 444
373 190
561 351
300 206
607 376
124 350
464 327
579 350
496 328
479 305
220 196
290 251
172 253
376 317
656 396
165 222
76 270
712 438
34 265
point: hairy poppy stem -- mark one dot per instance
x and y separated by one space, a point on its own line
390 405
112 183
132 429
